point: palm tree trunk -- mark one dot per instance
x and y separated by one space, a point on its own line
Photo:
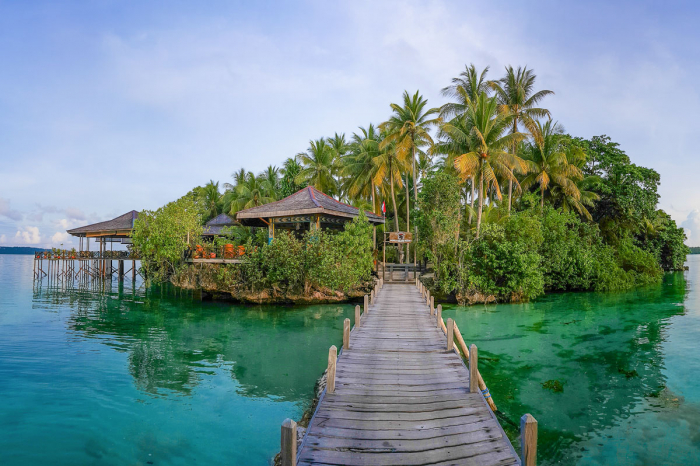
408 214
510 180
415 198
471 199
374 206
481 199
542 197
393 200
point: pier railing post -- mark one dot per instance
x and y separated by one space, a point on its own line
528 440
346 334
450 334
366 304
288 450
357 316
473 369
330 375
439 317
432 305
371 297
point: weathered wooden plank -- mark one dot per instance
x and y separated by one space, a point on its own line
401 395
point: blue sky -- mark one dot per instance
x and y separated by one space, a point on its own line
109 106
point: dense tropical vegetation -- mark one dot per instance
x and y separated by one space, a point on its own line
505 203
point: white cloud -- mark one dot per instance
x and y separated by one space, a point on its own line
28 235
60 237
691 225
7 211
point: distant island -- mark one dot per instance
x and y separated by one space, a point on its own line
20 250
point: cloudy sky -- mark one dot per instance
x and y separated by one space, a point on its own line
109 106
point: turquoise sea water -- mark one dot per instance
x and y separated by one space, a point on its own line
129 377
629 364
135 376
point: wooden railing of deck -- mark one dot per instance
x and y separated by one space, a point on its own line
528 424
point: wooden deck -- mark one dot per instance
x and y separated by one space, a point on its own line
401 398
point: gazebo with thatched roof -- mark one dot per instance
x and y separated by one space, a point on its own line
307 209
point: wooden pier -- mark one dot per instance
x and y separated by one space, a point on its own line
399 393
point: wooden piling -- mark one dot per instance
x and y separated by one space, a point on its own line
371 297
439 317
366 304
528 440
473 369
288 447
450 334
121 270
439 306
346 334
330 375
432 305
357 316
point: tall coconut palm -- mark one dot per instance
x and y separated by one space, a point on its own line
319 166
586 185
270 182
548 163
211 199
408 130
518 99
249 192
288 185
463 91
358 166
488 158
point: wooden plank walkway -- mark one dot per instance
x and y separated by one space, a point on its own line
401 398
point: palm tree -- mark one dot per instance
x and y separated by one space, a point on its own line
388 172
515 92
464 89
288 185
488 143
408 129
248 192
585 184
358 166
318 167
211 198
548 163
270 182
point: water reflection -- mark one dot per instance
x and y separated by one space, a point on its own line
173 341
606 351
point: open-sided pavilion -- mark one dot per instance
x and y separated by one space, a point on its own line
307 209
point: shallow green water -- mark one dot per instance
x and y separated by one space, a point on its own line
129 377
629 364
135 377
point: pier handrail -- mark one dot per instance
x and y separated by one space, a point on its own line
289 452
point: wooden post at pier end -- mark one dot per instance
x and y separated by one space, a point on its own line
330 375
133 270
473 369
288 447
450 334
528 440
346 334
357 316
121 270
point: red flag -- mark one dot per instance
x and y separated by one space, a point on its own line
384 208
